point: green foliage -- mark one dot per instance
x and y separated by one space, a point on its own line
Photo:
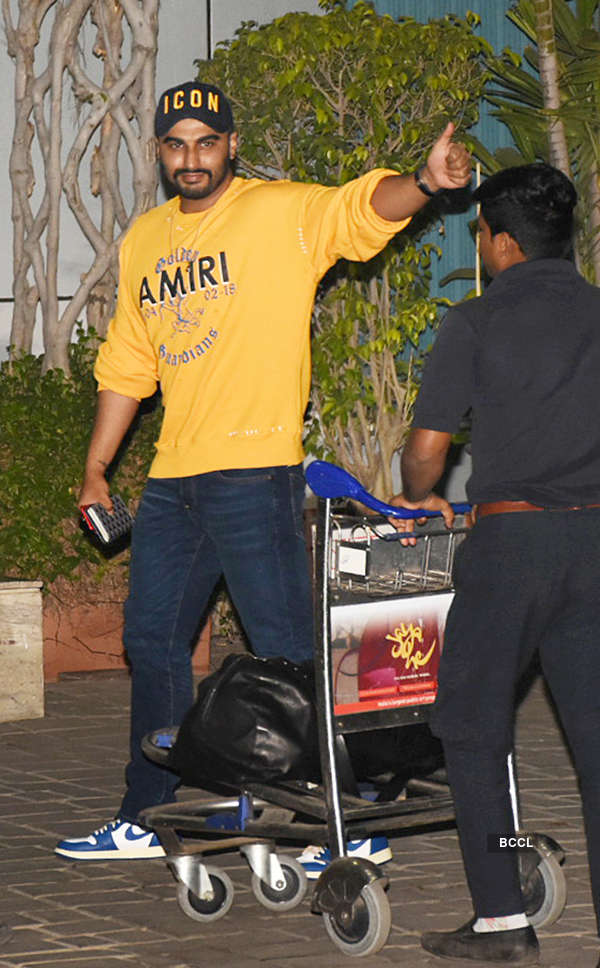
355 328
518 100
45 421
327 98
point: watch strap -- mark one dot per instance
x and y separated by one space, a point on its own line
423 187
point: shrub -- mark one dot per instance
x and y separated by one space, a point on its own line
45 421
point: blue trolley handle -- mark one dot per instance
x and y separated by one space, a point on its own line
330 481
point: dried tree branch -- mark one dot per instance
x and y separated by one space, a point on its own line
118 110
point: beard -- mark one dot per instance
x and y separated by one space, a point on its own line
214 180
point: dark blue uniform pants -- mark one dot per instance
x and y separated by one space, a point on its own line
524 581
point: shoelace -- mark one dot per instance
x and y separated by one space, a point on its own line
107 826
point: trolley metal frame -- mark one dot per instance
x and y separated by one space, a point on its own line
341 822
350 893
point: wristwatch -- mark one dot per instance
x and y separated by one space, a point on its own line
423 187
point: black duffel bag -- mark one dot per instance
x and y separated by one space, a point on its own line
253 719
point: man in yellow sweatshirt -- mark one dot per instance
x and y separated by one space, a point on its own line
215 298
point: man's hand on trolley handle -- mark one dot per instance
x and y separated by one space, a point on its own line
433 502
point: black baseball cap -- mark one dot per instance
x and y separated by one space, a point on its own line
204 102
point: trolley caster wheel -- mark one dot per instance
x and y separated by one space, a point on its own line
363 926
544 887
207 909
157 745
290 894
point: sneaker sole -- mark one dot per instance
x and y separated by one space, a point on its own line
147 853
379 857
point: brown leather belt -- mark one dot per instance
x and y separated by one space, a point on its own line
507 507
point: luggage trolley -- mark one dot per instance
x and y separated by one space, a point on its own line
380 613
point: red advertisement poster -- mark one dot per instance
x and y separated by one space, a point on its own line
386 654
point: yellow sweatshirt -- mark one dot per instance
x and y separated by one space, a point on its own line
215 306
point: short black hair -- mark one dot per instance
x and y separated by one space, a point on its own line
534 204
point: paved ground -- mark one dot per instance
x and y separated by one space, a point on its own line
62 776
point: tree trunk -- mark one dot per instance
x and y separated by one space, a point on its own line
119 109
594 218
549 76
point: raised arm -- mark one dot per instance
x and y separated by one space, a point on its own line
448 166
114 414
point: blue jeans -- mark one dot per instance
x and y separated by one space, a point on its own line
244 524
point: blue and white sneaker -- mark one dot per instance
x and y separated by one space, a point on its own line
117 840
315 859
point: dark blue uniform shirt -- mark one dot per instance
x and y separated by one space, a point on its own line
524 359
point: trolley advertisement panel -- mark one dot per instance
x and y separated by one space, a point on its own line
386 654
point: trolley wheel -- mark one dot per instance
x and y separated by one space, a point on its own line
545 891
290 894
207 910
157 745
363 927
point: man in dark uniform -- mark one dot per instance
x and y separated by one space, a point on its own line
524 359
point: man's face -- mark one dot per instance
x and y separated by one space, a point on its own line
489 248
196 161
499 251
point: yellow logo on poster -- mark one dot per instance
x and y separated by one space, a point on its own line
405 639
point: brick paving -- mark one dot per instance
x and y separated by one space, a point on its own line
62 776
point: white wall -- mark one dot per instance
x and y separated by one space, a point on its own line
227 16
182 39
